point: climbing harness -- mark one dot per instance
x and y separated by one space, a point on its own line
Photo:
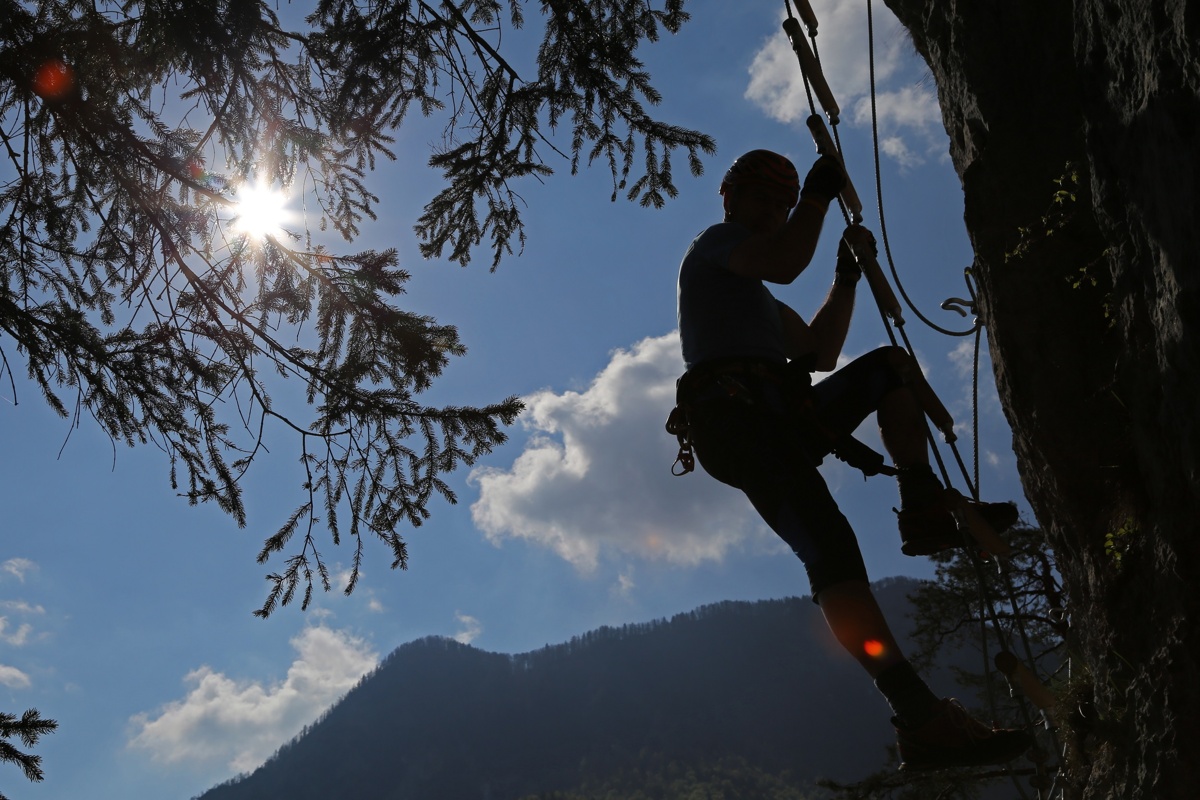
843 447
1022 679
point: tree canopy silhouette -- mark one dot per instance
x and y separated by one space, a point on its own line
973 608
30 727
129 295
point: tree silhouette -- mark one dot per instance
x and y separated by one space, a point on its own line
28 728
982 607
129 295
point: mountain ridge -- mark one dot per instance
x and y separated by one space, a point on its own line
758 680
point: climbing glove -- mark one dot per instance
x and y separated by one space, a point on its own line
847 270
825 180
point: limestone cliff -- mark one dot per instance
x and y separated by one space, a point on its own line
1091 295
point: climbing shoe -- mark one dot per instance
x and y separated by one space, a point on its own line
953 738
933 528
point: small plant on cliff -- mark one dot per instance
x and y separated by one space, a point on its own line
1117 542
1056 217
1063 209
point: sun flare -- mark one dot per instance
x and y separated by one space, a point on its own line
260 211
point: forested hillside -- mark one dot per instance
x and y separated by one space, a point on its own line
758 685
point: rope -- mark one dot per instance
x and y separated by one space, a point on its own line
883 230
975 384
987 605
812 106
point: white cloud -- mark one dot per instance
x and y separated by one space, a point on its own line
907 108
963 357
18 567
775 83
341 576
16 637
625 584
13 678
914 107
21 634
594 478
471 628
21 607
899 151
241 723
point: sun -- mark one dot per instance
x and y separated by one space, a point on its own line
260 212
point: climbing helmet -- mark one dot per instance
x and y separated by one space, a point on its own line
764 168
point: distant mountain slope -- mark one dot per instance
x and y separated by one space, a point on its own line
440 720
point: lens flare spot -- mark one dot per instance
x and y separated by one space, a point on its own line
873 647
53 79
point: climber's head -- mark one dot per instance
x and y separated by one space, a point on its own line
764 170
760 178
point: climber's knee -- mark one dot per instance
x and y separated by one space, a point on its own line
902 364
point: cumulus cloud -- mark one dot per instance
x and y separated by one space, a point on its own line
13 678
12 633
470 628
963 358
21 607
909 117
18 567
774 82
898 150
241 723
982 399
594 478
912 106
15 637
625 584
341 576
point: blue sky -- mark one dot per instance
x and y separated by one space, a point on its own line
125 614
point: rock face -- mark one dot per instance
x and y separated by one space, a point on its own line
1091 294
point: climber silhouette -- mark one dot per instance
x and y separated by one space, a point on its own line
759 424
